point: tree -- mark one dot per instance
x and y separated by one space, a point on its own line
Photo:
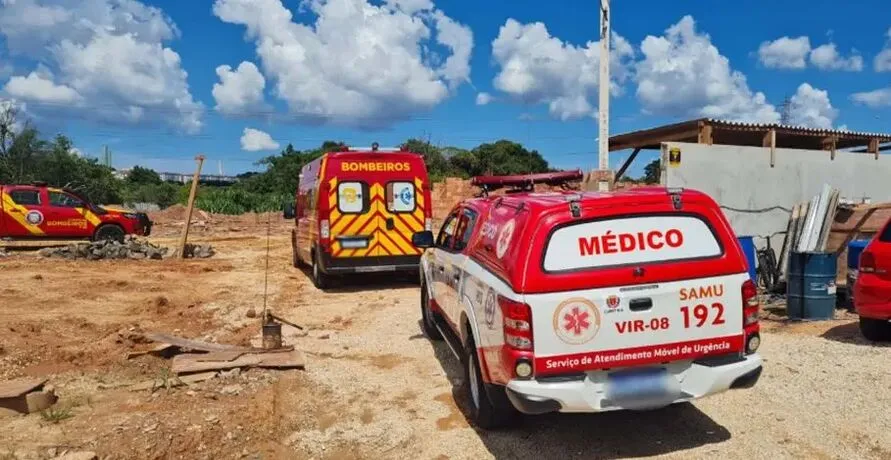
140 175
652 172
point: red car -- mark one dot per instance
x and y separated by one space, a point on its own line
872 290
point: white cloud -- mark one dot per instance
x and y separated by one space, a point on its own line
785 53
239 90
41 88
537 68
875 99
882 62
811 107
683 74
253 140
483 98
826 57
110 52
359 64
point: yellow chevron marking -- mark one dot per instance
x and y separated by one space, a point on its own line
359 223
93 219
403 230
342 223
9 205
334 216
388 243
332 200
377 191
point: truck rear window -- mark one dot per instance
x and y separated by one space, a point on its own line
400 197
351 197
630 240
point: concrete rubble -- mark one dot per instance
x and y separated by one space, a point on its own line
129 249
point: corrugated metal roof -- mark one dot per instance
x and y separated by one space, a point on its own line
800 128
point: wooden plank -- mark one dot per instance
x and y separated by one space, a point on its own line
17 387
190 207
827 222
219 356
196 344
187 364
789 236
627 164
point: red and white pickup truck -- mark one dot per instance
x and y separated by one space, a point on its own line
37 211
588 302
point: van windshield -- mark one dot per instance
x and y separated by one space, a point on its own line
630 240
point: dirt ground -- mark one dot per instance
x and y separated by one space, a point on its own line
373 387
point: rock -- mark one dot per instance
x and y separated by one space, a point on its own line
231 389
129 249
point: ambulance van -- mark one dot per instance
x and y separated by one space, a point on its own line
589 302
356 211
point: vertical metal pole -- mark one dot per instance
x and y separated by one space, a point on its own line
603 116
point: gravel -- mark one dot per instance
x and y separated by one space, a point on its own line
128 249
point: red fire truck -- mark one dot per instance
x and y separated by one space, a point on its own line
38 211
356 211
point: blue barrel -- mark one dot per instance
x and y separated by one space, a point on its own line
748 247
855 248
810 289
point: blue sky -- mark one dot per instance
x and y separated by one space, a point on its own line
140 76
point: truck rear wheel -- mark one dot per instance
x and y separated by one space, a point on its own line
489 407
319 278
109 232
876 330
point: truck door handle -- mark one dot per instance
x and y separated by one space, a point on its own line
642 304
390 224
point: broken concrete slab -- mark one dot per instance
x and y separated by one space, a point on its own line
26 396
190 363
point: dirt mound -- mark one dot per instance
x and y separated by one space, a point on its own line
177 213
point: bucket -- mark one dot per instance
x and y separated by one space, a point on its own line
272 335
748 247
810 290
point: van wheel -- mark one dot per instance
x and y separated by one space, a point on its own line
427 321
489 407
876 330
319 279
109 232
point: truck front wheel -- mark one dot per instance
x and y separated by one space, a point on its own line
109 232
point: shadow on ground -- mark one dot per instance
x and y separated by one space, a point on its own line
607 435
850 333
363 282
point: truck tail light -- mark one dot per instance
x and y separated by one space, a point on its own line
517 323
750 303
867 263
324 229
750 316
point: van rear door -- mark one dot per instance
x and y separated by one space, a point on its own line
648 288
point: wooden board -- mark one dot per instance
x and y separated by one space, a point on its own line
197 344
18 387
190 363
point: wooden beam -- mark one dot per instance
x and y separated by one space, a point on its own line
873 147
653 140
770 140
705 134
627 164
830 143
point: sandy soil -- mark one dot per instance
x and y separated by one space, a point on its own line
374 387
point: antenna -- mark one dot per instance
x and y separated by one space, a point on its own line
603 83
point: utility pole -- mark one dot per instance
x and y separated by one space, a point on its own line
602 178
192 192
603 82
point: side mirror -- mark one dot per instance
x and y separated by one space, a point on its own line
289 211
423 239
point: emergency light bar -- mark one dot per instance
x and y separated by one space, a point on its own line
526 180
375 147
